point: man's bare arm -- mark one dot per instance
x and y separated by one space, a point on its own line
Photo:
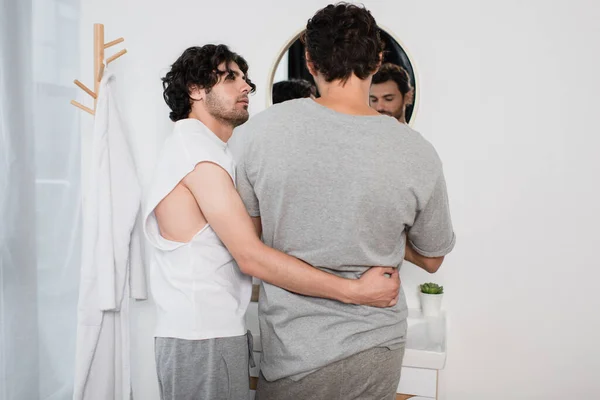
222 207
429 264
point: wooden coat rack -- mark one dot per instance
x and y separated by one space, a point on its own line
99 63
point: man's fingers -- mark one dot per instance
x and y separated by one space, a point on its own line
393 302
387 270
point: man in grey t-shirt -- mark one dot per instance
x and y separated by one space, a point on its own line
341 187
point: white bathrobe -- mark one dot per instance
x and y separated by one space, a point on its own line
112 269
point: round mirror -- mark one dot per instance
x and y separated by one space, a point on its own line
394 90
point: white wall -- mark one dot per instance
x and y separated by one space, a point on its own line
509 97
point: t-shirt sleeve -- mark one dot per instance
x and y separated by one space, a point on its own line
245 186
200 149
431 234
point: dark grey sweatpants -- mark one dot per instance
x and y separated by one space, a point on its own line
370 375
211 369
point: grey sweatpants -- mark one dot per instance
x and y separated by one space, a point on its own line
211 369
370 375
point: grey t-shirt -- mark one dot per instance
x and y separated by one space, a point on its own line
339 192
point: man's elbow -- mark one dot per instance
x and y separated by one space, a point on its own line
432 264
247 258
245 263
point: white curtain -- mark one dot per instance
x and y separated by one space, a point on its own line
40 198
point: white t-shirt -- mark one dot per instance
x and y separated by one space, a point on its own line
199 291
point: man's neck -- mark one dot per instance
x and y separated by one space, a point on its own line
222 130
351 97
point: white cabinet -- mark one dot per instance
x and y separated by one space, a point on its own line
418 382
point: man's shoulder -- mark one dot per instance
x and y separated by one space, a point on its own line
416 139
277 113
265 126
193 135
183 148
413 148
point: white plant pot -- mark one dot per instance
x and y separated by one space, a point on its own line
431 304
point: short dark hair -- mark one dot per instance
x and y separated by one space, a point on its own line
292 89
343 39
197 66
393 72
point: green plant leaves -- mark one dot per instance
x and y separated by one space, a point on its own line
431 288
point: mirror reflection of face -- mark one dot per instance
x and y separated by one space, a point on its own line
295 65
228 98
387 99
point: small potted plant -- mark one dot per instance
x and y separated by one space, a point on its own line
431 299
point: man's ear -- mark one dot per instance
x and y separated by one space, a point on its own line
409 98
197 94
310 65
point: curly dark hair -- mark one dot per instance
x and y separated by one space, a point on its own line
393 72
343 39
292 89
197 66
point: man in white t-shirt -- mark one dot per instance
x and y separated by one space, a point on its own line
205 246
